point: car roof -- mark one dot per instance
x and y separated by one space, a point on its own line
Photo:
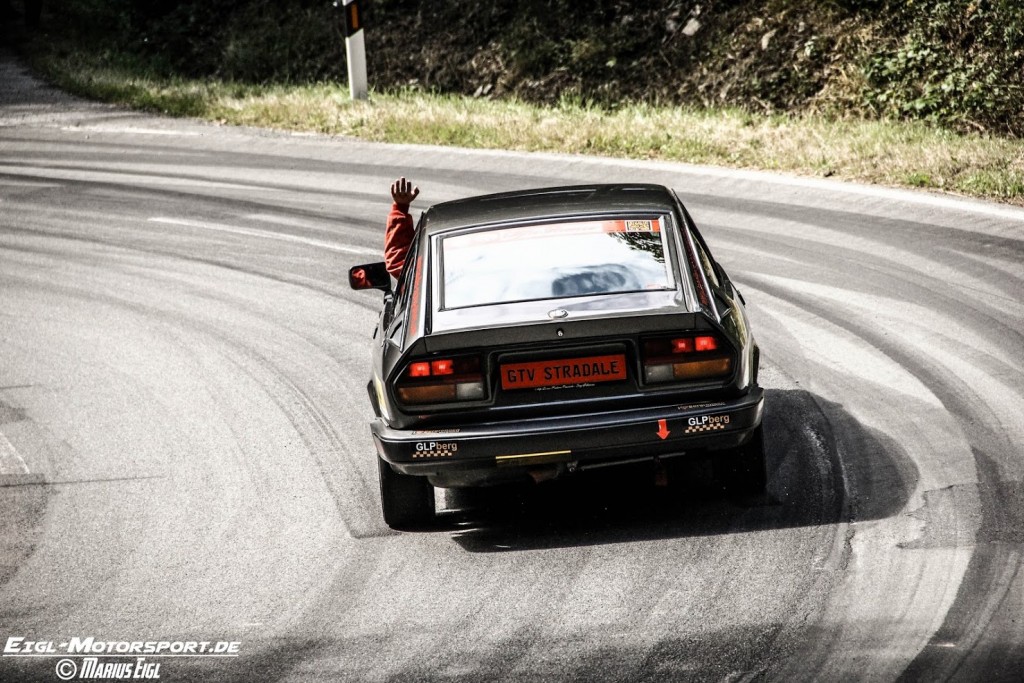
550 202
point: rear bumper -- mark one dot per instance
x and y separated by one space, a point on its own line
622 435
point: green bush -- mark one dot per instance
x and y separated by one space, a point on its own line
958 63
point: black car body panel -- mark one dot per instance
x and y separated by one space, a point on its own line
467 456
477 381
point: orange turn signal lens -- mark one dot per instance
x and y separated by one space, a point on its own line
427 393
698 369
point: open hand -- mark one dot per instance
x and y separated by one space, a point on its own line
403 192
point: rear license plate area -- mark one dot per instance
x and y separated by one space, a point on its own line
563 372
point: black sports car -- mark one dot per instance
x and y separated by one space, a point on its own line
533 334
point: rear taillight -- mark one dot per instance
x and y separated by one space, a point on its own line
674 359
441 380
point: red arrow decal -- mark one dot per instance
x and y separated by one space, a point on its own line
663 429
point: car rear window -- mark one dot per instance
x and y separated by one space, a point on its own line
554 260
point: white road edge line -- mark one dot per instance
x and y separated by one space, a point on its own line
107 128
320 244
9 457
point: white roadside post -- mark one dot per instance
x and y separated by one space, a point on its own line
355 50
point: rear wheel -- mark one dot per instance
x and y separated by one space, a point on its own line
406 500
742 471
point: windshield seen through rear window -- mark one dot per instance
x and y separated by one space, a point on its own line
578 258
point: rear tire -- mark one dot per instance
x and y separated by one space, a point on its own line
742 471
407 501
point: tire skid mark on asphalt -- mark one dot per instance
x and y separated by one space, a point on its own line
878 258
906 583
989 434
103 172
28 184
984 280
335 440
924 324
992 337
90 177
998 328
79 442
997 271
330 184
251 489
980 638
264 234
170 199
129 264
351 494
83 258
846 229
998 226
947 374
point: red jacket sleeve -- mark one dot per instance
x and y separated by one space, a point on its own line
397 238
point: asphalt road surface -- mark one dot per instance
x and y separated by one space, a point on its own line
184 451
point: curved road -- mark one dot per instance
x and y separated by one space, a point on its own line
184 452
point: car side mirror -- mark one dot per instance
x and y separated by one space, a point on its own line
370 276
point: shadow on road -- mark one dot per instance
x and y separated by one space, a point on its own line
824 468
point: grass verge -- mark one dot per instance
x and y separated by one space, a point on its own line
886 153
